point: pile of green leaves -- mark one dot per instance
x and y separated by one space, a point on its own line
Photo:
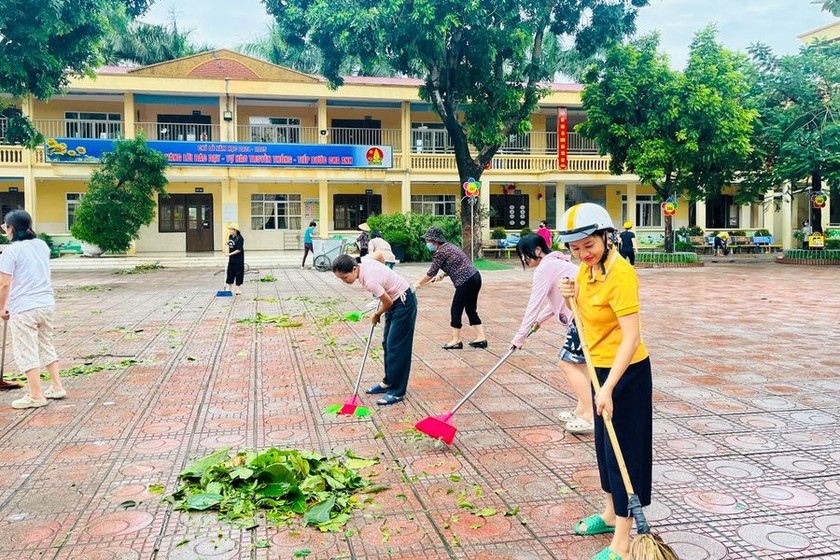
285 484
84 369
277 320
141 268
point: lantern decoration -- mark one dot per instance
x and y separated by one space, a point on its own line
669 207
472 187
818 199
562 139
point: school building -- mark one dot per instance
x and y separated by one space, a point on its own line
271 149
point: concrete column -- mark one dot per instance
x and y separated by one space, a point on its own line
560 204
30 196
484 199
786 234
745 216
322 123
323 207
700 214
230 206
631 206
405 194
129 114
224 130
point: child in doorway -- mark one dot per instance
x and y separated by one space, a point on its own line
399 306
545 303
307 243
235 253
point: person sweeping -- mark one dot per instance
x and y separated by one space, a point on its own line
547 302
399 306
235 253
606 292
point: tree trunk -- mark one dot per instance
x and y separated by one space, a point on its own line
470 212
669 234
816 213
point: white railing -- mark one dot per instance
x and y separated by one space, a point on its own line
365 136
277 134
589 164
76 128
580 145
430 141
11 155
179 132
513 162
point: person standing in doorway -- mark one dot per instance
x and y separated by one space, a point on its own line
307 243
28 303
627 243
545 233
453 262
363 240
236 258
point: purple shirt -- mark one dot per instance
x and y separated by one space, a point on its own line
454 262
552 268
379 279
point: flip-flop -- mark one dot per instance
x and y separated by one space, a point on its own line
388 400
606 554
595 525
376 390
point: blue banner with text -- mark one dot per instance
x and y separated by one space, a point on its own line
230 154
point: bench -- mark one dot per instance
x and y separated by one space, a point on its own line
498 251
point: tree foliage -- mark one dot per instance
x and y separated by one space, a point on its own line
44 44
685 133
798 131
121 196
830 6
145 43
483 63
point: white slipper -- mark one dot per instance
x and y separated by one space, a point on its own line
567 415
579 426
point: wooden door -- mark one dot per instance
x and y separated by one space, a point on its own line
199 222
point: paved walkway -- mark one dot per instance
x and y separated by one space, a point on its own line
746 371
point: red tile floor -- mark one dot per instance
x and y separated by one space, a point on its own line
746 368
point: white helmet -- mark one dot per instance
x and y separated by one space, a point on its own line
582 220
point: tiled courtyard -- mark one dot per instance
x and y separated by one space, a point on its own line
747 457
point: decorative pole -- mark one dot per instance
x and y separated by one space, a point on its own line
472 188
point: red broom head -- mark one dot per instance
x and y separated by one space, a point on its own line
437 427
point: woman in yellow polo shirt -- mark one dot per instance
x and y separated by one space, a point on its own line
607 294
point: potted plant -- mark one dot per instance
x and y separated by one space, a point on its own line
120 197
498 234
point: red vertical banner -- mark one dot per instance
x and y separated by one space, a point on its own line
562 139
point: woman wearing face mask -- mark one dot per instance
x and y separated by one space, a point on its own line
453 262
606 291
547 302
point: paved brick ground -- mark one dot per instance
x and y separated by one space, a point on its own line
746 361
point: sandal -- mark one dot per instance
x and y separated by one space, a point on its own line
388 400
567 415
594 525
457 346
606 554
377 389
579 426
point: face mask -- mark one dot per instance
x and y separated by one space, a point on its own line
431 247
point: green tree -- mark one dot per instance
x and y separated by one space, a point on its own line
830 6
121 196
685 133
43 44
144 43
483 63
798 132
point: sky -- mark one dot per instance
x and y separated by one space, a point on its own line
223 23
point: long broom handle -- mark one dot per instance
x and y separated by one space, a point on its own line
481 381
364 357
619 456
3 356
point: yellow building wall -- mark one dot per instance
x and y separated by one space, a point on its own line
151 240
52 204
270 239
55 109
5 183
307 115
149 112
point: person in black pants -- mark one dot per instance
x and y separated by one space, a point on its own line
236 258
449 260
627 243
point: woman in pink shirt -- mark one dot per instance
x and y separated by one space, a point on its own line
545 233
545 303
398 304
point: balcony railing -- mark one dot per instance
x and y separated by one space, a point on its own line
11 155
365 136
277 134
580 145
179 132
436 141
77 128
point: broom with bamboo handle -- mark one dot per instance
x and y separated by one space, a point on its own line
646 545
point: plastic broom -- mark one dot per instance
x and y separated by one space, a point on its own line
353 405
4 385
646 545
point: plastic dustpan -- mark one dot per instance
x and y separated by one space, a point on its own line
438 427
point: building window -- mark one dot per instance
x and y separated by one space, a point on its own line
722 212
434 204
73 200
93 125
172 213
509 211
275 130
276 211
350 210
648 211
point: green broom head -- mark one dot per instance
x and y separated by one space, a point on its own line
354 317
358 412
